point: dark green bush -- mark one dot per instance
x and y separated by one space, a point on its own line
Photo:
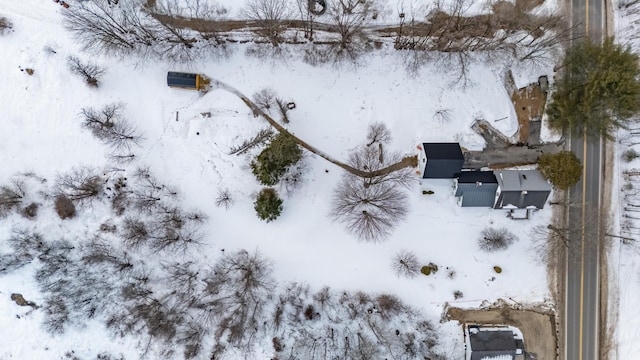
630 155
562 169
429 269
272 163
268 205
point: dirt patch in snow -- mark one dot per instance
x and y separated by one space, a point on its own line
529 103
19 299
538 326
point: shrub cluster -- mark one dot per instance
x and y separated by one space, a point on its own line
5 24
494 239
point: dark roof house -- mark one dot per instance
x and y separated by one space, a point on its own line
494 343
184 80
442 160
521 189
476 188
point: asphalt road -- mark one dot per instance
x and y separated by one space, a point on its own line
582 293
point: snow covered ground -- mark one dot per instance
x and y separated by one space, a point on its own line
40 131
627 25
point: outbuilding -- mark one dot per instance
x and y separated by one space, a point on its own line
184 80
441 160
476 188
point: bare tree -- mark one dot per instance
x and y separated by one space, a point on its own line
376 158
5 24
122 158
333 337
224 198
307 12
89 71
147 193
547 241
370 207
175 42
265 99
270 16
350 17
109 125
206 13
80 184
121 137
191 335
133 27
405 264
510 31
493 239
168 228
99 251
369 212
120 30
134 233
184 280
99 122
378 133
442 115
56 315
25 247
176 230
189 29
11 196
240 286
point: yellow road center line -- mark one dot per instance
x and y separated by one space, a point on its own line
587 18
584 200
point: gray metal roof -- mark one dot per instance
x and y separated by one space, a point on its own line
480 194
501 340
181 79
519 180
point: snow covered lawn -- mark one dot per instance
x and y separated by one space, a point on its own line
41 132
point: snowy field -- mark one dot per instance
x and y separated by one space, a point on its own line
41 132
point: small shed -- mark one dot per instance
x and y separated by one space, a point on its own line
521 189
184 80
441 160
476 188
